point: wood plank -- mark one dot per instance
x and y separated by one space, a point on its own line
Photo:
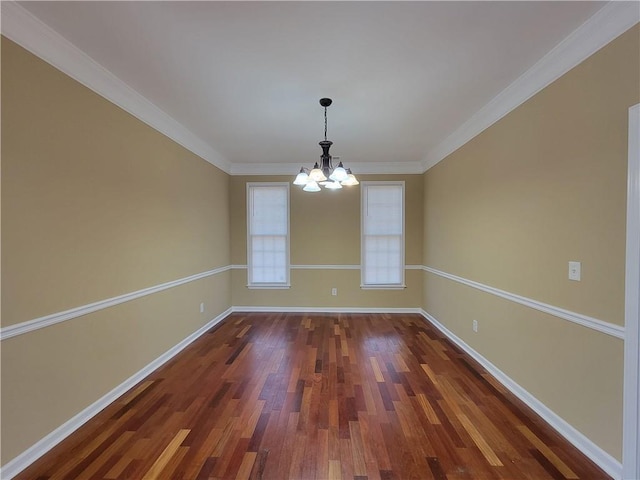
548 453
335 470
428 409
244 472
479 440
377 373
157 467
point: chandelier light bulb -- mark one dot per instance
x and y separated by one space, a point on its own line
302 178
339 174
350 180
316 174
312 186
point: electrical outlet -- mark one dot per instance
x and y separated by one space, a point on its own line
475 326
202 307
334 291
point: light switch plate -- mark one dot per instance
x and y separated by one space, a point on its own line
574 271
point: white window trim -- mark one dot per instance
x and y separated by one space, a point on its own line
631 398
268 286
392 286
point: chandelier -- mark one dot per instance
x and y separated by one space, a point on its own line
324 174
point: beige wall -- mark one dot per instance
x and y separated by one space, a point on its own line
95 204
543 186
325 230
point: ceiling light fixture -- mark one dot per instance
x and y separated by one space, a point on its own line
324 174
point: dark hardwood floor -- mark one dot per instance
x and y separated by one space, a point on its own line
296 396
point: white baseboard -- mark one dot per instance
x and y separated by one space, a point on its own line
26 458
609 464
248 309
605 461
33 453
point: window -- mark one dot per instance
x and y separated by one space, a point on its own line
382 234
268 235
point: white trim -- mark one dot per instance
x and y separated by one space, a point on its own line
42 322
631 408
47 320
26 458
248 309
369 168
325 267
605 461
28 31
413 267
608 23
589 322
329 267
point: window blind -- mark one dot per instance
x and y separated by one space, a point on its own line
268 234
383 234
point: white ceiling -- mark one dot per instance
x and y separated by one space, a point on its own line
245 77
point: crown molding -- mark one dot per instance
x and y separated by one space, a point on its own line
25 29
612 20
402 168
20 26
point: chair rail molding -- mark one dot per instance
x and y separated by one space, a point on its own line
42 322
584 320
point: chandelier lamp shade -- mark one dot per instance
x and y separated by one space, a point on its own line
324 173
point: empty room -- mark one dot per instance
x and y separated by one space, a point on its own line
320 240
